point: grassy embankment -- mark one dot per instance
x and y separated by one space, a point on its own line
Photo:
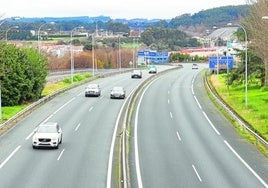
255 113
9 111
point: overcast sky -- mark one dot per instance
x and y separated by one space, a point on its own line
150 9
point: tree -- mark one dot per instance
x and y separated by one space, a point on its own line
257 31
22 74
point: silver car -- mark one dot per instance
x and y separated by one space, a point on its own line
92 90
48 134
118 93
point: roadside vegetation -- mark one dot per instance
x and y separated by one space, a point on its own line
255 113
9 111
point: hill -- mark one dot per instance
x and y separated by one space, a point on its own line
201 22
196 23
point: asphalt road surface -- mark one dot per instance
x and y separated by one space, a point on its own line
181 140
88 124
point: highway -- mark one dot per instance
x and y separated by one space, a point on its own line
83 158
181 140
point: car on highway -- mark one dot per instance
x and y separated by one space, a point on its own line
118 92
92 90
48 134
152 69
136 73
194 66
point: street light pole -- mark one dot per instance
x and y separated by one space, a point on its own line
39 37
10 29
93 56
119 54
246 61
72 53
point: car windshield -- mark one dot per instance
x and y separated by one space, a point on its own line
117 89
92 86
47 129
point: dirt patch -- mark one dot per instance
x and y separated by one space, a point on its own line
215 81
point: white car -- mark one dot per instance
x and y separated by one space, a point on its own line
152 69
48 134
92 90
194 66
118 93
136 74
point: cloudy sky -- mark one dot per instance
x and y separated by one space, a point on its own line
149 9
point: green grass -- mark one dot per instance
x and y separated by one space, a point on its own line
9 111
256 111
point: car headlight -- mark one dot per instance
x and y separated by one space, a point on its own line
54 139
35 138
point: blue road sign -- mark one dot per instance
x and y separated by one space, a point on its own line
221 60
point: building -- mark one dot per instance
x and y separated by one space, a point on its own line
147 57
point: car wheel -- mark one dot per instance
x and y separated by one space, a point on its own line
34 147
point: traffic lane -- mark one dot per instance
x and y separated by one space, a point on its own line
161 160
196 143
246 150
83 162
23 130
223 160
162 164
67 127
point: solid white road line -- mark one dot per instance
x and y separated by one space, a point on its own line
197 173
9 157
197 102
244 162
110 162
214 128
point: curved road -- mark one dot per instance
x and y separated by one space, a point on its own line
182 140
82 159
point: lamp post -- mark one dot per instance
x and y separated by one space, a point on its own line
72 52
246 61
39 34
119 54
93 57
12 27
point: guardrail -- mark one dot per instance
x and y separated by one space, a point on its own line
20 115
234 115
124 174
